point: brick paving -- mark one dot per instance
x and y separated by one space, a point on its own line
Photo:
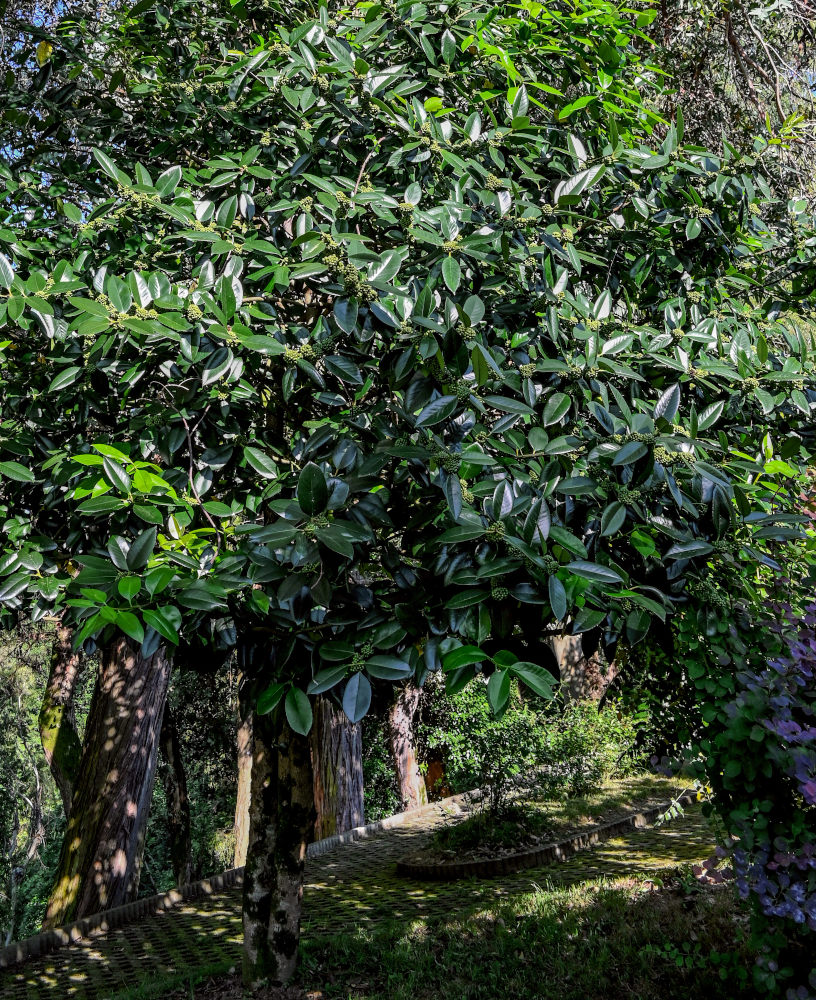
352 886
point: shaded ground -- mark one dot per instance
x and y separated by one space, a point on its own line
349 890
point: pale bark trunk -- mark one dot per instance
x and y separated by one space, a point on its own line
244 746
585 678
401 715
104 839
281 825
57 723
244 785
174 780
337 762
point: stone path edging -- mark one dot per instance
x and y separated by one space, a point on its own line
100 923
556 851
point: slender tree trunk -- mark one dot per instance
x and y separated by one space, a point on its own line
412 790
57 723
104 840
337 762
281 825
244 743
178 803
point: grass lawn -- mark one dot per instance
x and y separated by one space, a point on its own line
631 939
543 820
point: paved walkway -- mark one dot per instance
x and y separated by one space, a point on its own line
351 886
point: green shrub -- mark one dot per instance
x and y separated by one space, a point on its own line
380 792
585 744
571 748
497 753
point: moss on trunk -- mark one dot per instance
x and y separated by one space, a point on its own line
57 725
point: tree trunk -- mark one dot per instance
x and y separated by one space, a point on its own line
57 723
244 742
337 762
281 825
412 790
104 840
585 678
174 780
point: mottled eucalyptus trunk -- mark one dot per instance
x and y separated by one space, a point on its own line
401 730
337 761
57 723
281 825
174 779
104 840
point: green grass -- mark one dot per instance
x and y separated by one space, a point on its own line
484 832
599 941
521 821
631 939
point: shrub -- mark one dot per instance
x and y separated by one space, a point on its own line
497 753
585 744
571 748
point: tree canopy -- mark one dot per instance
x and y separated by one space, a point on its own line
395 334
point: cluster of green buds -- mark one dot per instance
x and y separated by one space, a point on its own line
527 371
496 532
313 525
498 593
625 495
707 592
551 564
463 389
467 494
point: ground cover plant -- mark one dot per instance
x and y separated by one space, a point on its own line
378 341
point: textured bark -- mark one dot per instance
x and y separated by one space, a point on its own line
584 678
337 762
281 825
57 724
241 827
104 839
174 780
412 791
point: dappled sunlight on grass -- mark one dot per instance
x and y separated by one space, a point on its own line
355 888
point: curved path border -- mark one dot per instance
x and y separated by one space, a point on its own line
555 851
100 923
